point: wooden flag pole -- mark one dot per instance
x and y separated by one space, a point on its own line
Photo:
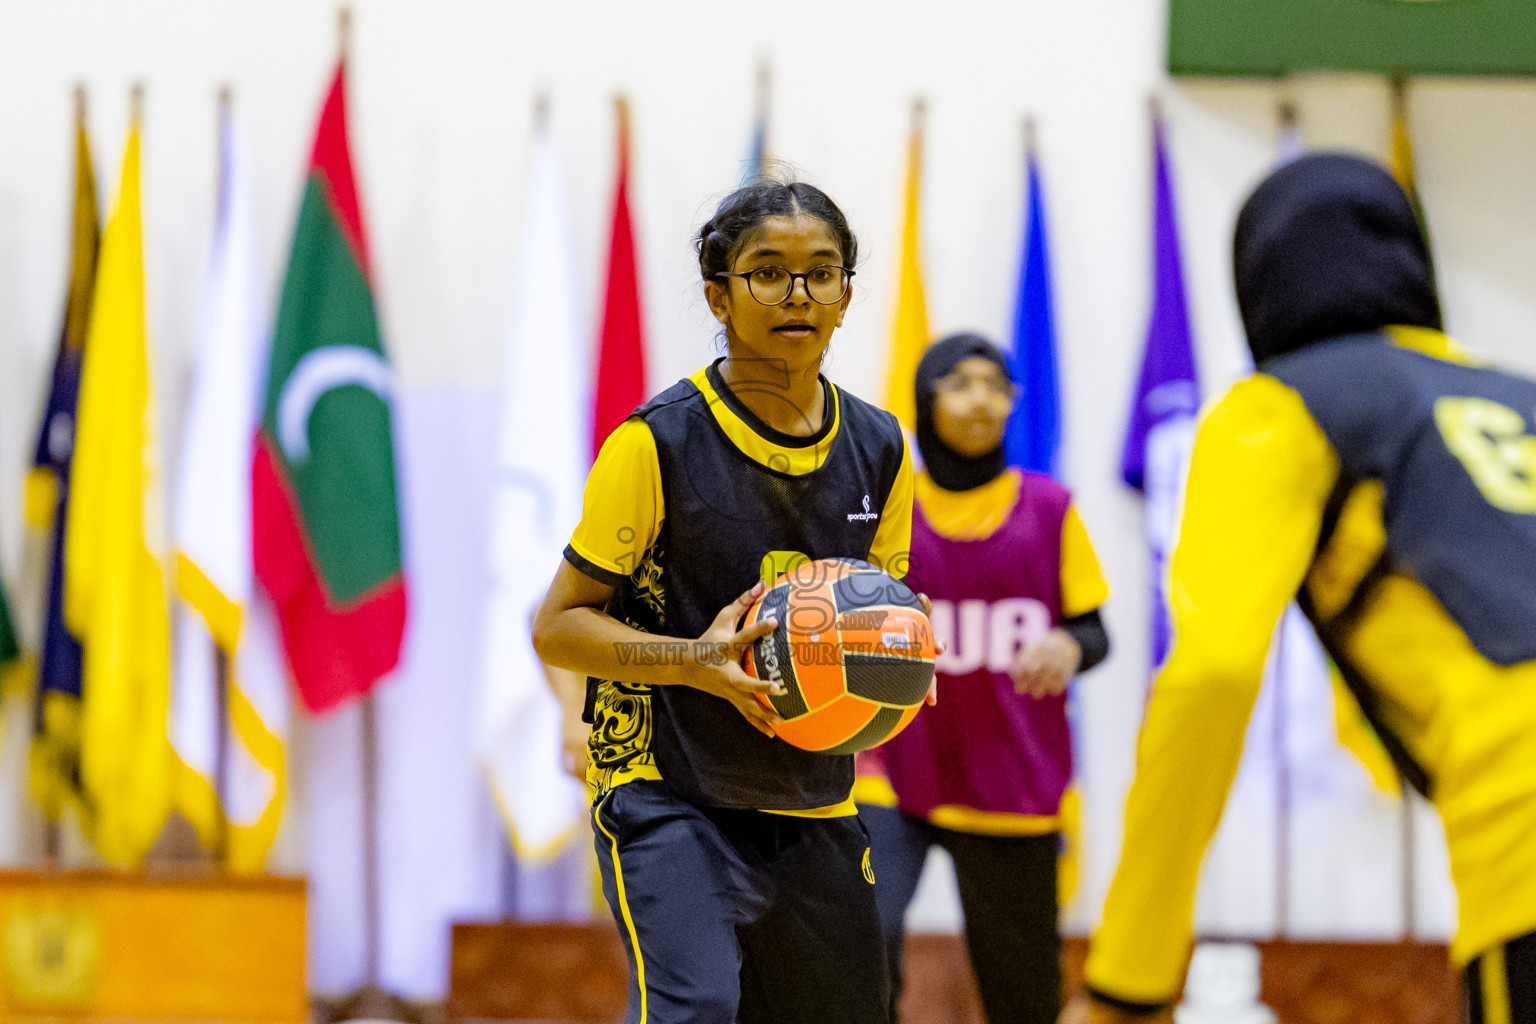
344 32
621 113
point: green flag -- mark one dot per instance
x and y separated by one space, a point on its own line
10 650
325 519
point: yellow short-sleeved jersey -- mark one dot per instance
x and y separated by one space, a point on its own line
1278 508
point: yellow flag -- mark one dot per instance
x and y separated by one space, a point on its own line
909 334
1402 153
115 596
1402 148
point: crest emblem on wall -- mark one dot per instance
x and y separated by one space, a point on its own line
52 953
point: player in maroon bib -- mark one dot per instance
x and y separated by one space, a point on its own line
1016 588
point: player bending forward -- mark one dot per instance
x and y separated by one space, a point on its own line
1372 472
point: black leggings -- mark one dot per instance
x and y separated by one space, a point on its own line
1499 987
1008 893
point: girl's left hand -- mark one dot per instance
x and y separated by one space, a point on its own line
1044 668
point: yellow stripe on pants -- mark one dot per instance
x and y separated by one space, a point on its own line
1495 982
629 922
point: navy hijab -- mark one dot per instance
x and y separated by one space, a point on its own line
1326 246
949 469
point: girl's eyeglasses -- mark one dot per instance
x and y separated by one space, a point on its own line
825 284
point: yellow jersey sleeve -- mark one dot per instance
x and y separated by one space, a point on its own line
622 507
1083 587
892 548
1259 478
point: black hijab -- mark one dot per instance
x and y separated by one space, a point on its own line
1329 245
949 469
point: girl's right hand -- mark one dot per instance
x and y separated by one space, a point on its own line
713 663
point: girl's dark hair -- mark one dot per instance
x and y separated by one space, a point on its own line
739 214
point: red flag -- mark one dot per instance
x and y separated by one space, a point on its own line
621 350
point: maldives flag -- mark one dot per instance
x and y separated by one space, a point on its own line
325 516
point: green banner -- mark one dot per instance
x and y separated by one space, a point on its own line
1269 38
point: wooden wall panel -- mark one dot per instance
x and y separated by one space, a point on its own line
537 972
513 971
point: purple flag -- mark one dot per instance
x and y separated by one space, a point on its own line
1162 418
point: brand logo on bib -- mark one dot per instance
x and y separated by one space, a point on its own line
865 516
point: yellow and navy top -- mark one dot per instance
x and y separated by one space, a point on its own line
690 501
1389 486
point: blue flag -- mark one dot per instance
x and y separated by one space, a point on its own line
1162 418
1033 439
55 764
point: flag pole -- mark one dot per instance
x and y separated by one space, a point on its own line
763 102
621 112
220 655
371 993
372 1000
1288 122
764 88
344 32
53 829
1405 803
1287 116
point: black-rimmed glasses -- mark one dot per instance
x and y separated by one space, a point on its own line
825 284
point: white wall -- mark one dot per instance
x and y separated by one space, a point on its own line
442 101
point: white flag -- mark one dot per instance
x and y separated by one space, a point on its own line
541 464
220 608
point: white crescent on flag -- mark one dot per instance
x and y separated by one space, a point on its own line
322 370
